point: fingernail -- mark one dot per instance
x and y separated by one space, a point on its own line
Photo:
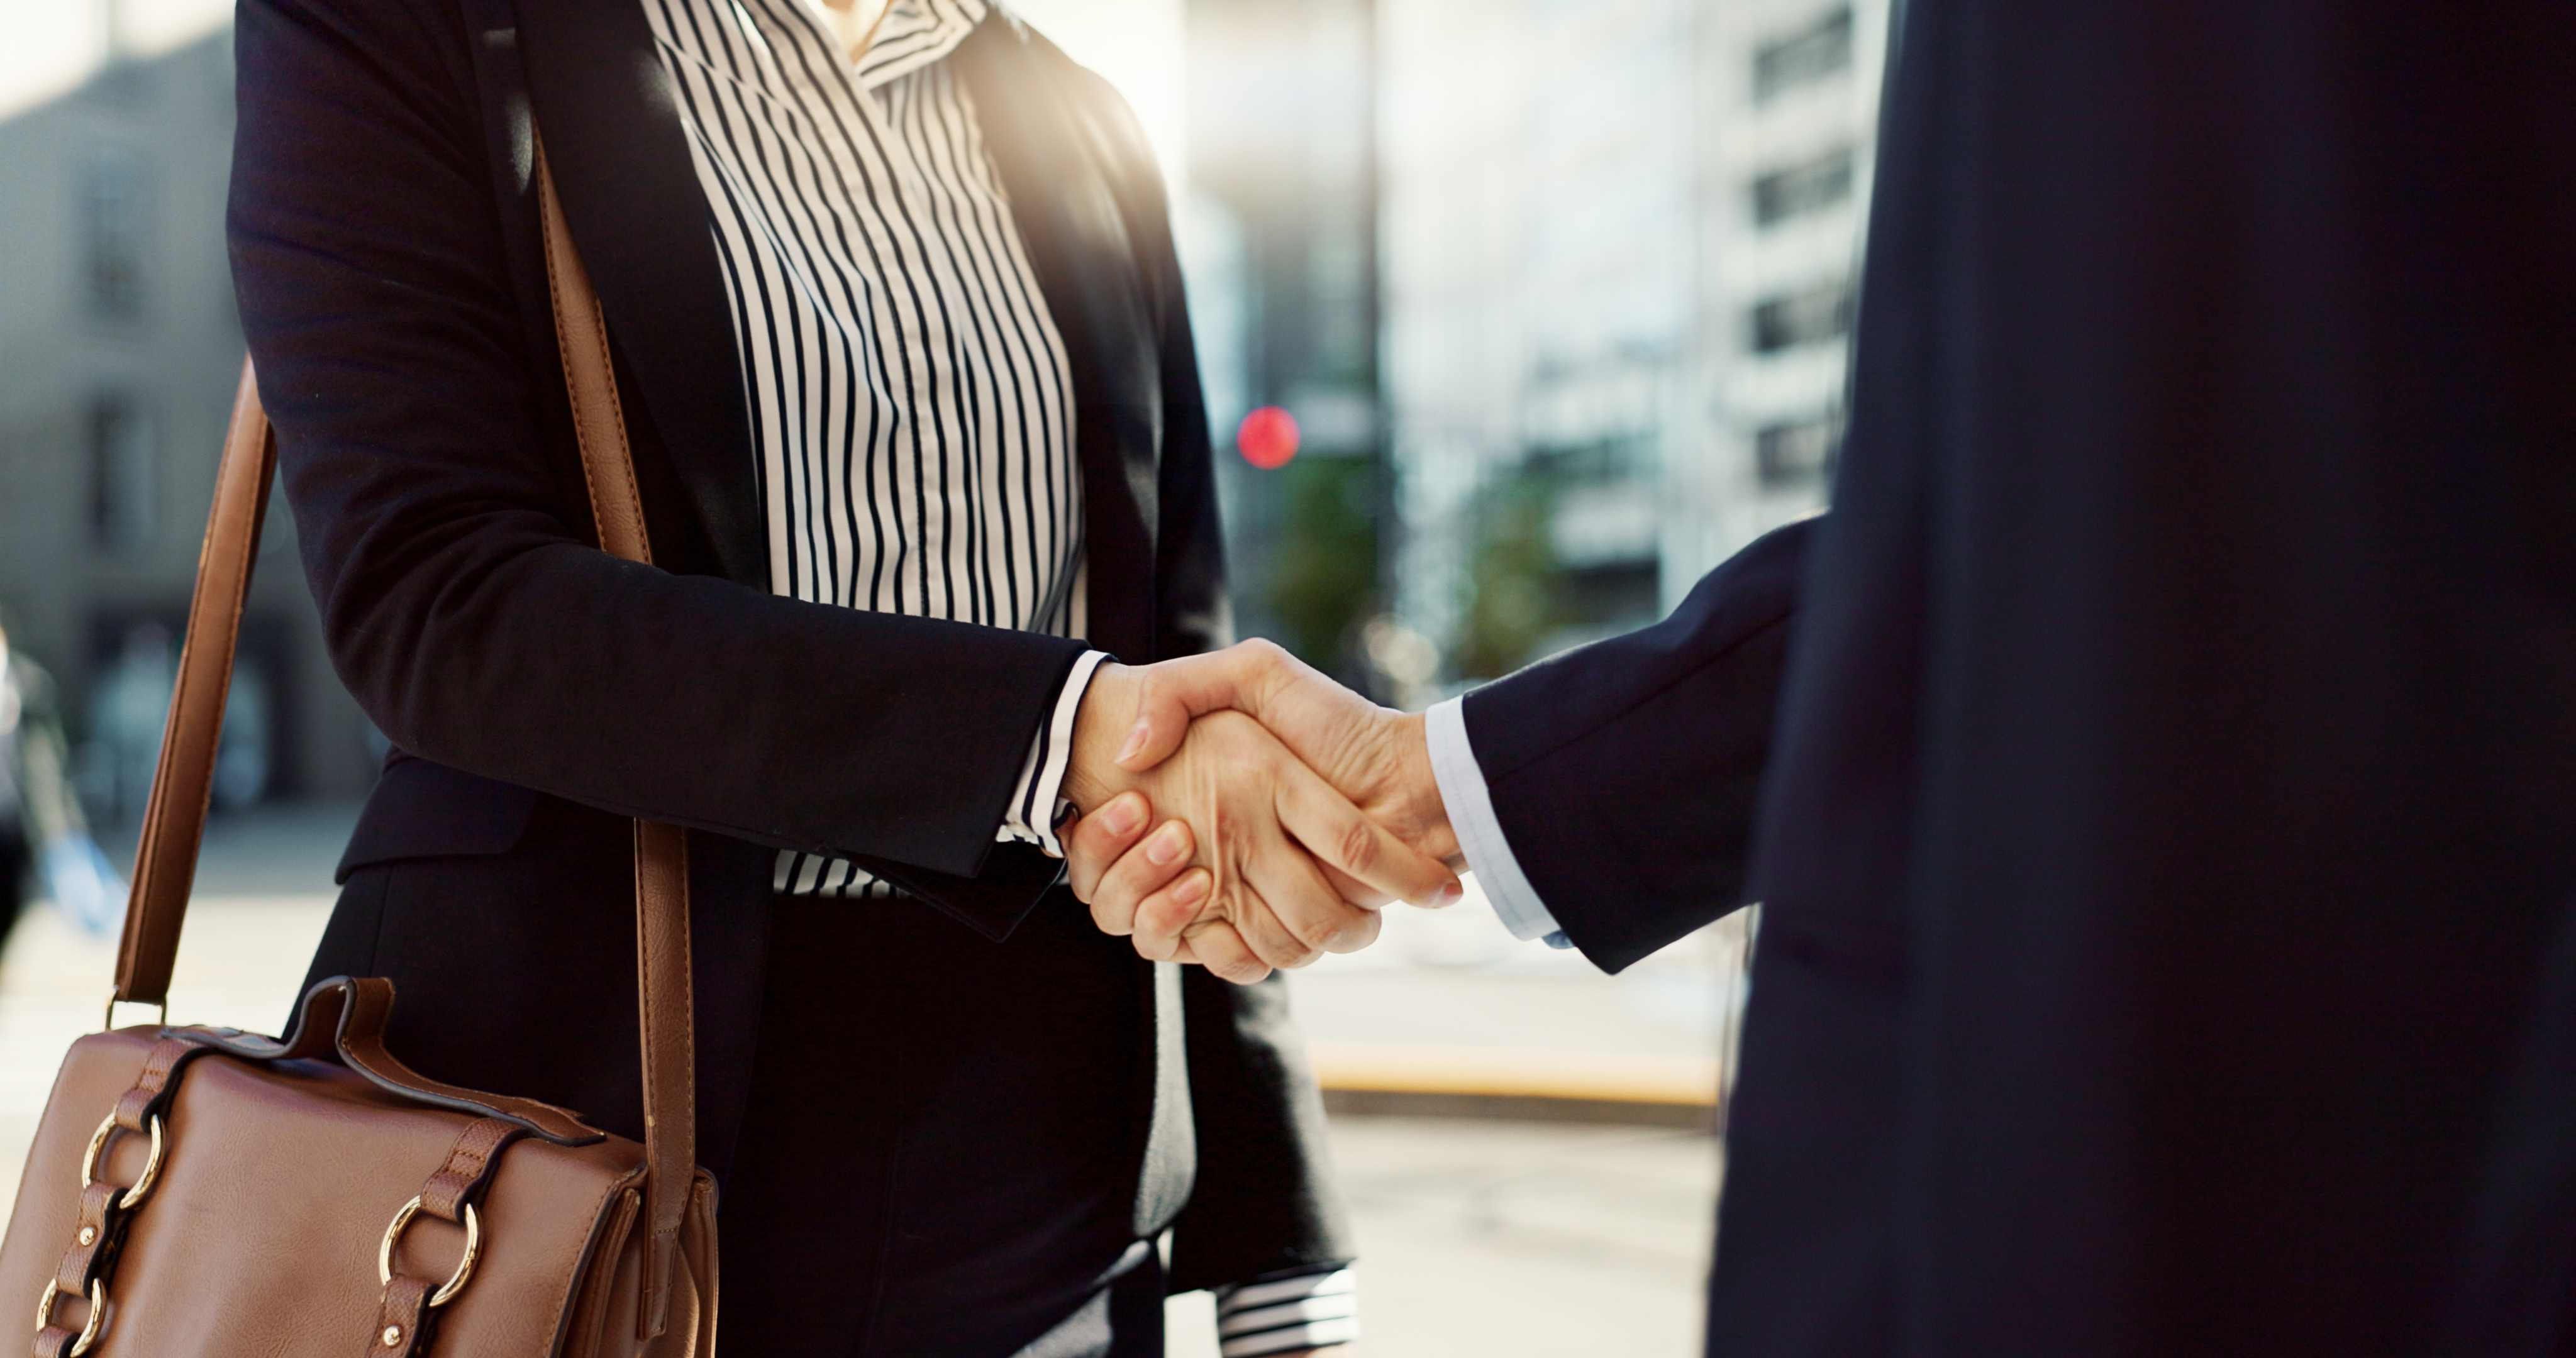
1122 816
1192 890
1449 895
1135 741
1164 849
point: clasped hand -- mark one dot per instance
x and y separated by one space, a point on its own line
1292 809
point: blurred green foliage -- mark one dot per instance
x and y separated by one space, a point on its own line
1324 577
1512 586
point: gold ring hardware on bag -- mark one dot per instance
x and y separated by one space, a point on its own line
464 1267
89 1327
151 1167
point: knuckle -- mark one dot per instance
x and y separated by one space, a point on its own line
1357 844
1304 942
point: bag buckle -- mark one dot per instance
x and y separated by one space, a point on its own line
464 1267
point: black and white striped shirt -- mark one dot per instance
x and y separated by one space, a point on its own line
910 403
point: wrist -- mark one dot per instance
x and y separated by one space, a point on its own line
1410 797
1100 726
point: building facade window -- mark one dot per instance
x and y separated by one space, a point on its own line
1803 56
113 198
1795 454
1807 186
123 474
1810 316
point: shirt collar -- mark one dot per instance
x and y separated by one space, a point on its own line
914 34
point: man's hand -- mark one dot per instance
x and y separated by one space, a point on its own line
1375 756
1264 828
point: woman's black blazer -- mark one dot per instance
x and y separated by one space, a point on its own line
385 247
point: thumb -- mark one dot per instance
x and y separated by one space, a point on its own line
1171 694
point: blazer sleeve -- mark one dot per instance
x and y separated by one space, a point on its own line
1265 1199
1624 775
452 555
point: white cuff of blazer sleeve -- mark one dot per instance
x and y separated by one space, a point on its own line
1480 835
1038 802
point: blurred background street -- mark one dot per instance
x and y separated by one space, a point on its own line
1515 317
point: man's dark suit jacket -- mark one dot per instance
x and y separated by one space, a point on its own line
385 246
2170 800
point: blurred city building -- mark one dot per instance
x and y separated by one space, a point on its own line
1619 243
1279 228
119 351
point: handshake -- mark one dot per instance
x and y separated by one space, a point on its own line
1290 809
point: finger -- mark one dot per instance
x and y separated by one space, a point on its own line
1340 836
1282 905
1168 696
1162 919
1094 842
1196 894
1139 874
1216 946
1171 694
1370 922
1267 883
1354 890
1249 910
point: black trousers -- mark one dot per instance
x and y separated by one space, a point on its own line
941 1149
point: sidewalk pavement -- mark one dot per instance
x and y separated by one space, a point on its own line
1481 1237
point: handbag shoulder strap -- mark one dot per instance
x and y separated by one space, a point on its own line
661 851
174 819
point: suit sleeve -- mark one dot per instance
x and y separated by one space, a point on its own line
451 554
1624 775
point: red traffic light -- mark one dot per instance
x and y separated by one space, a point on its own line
1267 438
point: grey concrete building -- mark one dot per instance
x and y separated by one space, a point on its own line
119 350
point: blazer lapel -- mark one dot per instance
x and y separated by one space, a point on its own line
1057 154
630 191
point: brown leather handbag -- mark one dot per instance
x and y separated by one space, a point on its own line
204 1193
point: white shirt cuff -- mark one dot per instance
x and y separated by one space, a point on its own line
1038 802
1480 835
